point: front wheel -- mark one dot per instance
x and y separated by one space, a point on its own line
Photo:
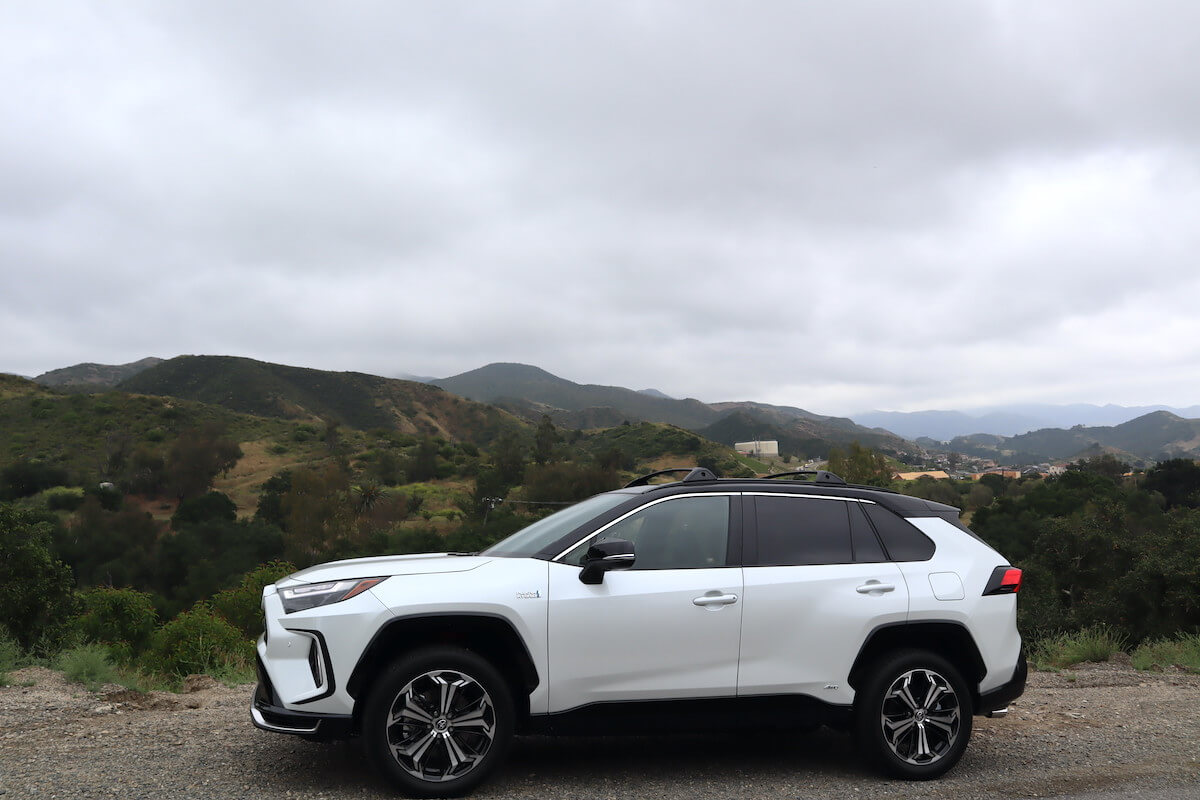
438 721
913 715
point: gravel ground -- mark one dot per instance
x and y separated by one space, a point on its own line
1092 729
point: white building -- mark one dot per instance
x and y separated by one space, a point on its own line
757 449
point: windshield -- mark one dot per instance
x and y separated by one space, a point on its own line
536 537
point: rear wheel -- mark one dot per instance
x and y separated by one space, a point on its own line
438 721
913 715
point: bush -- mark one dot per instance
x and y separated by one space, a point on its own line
63 499
10 656
1097 643
89 664
1183 651
35 588
198 641
124 618
241 605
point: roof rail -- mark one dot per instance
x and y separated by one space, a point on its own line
820 476
693 474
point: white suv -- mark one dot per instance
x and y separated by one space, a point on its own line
692 605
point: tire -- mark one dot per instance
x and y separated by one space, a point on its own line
912 717
438 721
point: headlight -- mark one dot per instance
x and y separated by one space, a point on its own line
311 595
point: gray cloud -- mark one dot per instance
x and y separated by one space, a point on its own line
837 206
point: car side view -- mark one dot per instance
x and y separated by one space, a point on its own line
699 604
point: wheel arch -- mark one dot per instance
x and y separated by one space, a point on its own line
950 640
492 637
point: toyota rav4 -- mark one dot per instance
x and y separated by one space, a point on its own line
698 604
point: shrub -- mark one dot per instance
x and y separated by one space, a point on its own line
1183 651
63 499
117 617
10 656
35 588
241 605
198 641
89 664
1096 643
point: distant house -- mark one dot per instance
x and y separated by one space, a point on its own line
936 474
1004 473
757 448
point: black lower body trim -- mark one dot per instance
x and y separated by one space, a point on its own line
1000 697
691 716
268 713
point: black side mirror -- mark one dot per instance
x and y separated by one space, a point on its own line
604 555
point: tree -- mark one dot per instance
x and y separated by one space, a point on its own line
423 466
1177 480
861 465
509 457
28 477
197 457
544 440
35 587
318 511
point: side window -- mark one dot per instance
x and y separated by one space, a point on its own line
793 531
903 541
680 533
867 549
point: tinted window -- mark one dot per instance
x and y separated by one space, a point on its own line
902 540
681 533
867 549
800 530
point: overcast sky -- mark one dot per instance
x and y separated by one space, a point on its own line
840 206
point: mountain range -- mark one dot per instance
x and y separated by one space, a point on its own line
445 406
1010 420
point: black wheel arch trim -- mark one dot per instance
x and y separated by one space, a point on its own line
965 656
366 665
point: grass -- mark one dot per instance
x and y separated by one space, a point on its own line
1182 651
89 664
1097 643
10 658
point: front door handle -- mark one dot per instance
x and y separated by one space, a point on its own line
715 600
875 587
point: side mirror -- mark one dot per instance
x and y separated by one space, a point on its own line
604 555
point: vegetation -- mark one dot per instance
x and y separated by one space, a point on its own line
1182 651
1097 643
143 528
89 664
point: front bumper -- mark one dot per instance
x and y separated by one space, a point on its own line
1001 696
268 713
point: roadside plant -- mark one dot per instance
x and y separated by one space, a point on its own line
241 605
122 618
89 664
198 641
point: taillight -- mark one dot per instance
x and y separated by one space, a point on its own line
1004 580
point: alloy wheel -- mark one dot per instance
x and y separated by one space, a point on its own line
441 725
921 717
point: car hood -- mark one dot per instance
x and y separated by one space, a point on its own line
384 566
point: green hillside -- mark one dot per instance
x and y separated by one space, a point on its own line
353 399
1151 437
523 382
801 436
94 377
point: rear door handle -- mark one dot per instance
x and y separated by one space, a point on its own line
875 587
715 600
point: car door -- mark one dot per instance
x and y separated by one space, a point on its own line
669 627
817 582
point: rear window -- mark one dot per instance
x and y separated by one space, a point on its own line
901 539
